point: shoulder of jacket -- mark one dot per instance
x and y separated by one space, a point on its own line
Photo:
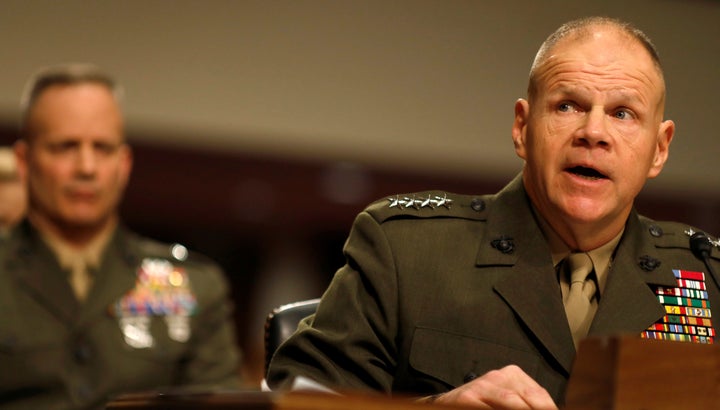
669 234
431 204
175 253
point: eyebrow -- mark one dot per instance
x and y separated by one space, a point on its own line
621 93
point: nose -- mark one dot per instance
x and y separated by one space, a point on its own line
594 130
86 160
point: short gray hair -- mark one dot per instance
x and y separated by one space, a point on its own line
60 75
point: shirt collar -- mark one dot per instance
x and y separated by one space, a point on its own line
600 256
90 254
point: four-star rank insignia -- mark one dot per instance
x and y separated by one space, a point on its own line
431 201
687 311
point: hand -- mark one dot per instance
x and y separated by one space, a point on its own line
507 388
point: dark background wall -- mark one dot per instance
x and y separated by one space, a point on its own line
402 85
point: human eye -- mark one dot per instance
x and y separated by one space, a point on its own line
623 114
566 106
61 147
105 148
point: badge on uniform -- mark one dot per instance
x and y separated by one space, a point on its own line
430 201
687 311
161 290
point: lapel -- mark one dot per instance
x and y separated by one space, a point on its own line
115 277
628 304
38 272
530 286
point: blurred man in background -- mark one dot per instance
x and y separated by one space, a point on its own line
89 308
13 197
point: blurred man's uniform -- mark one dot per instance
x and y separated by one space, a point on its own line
154 314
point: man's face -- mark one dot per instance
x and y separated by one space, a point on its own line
593 132
76 162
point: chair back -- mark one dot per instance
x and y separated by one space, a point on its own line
282 322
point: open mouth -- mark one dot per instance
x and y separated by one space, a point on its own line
586 172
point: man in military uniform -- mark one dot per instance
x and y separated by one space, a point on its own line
89 309
483 300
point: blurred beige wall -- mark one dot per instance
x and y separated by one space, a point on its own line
409 84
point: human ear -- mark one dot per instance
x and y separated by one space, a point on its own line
20 149
126 164
519 128
662 149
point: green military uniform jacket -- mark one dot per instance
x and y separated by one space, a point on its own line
442 288
170 325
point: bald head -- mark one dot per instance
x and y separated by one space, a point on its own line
582 30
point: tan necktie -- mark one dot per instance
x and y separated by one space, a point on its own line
580 305
80 278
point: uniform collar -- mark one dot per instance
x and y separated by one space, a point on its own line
67 254
601 256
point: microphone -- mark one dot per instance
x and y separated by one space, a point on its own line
701 247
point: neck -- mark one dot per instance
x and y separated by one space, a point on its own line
76 236
586 237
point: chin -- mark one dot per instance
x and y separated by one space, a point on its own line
84 221
586 212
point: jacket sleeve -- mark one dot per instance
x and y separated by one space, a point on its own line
349 343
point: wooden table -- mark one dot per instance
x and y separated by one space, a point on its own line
610 373
256 400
